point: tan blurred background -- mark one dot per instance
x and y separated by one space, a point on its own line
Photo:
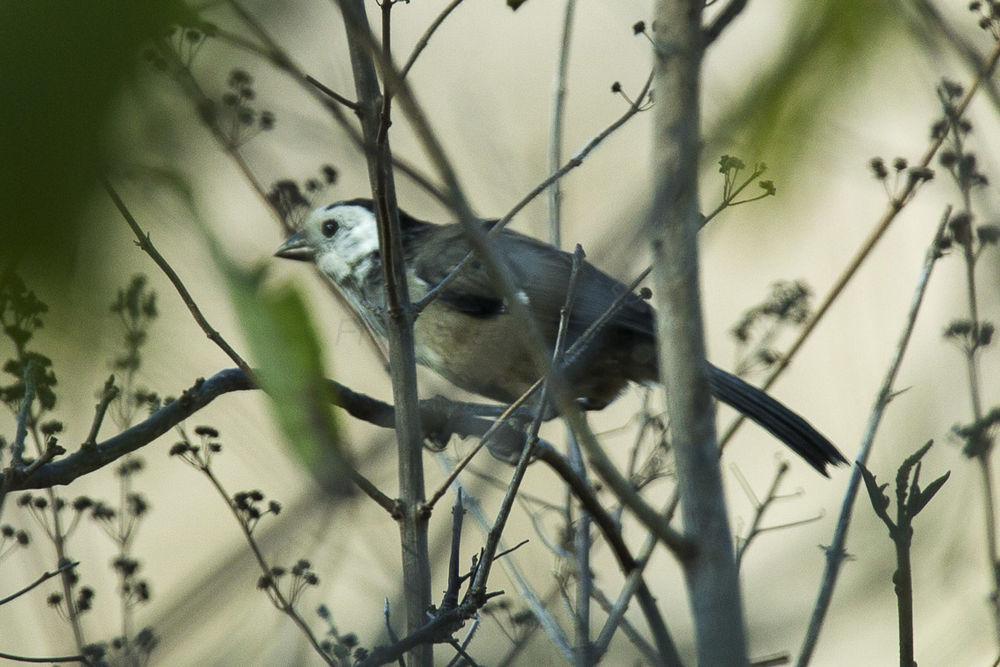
486 81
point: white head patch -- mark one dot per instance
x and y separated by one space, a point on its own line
348 252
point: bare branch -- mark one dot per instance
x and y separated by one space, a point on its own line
569 166
45 576
283 603
24 658
630 631
51 451
760 508
374 110
895 206
728 14
146 244
835 553
711 576
630 566
426 37
454 579
332 94
23 417
536 604
109 394
556 134
443 421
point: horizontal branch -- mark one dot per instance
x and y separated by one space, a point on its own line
89 458
441 419
51 661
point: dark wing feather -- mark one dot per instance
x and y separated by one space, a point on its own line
541 271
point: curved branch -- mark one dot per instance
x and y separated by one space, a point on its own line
426 38
441 419
26 658
89 458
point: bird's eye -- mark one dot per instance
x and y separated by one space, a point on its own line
330 228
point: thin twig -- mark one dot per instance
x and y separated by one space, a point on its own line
630 631
836 553
760 508
45 576
24 658
23 417
109 394
570 165
538 608
454 561
426 37
895 206
51 451
580 528
611 531
467 459
331 93
465 643
633 583
368 148
281 602
558 116
146 244
722 20
493 537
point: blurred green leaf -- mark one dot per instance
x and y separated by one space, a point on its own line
289 359
63 65
831 45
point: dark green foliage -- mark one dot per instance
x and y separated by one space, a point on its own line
63 65
20 317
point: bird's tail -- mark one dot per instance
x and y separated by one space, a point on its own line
784 424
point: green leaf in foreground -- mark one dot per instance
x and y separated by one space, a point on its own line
286 349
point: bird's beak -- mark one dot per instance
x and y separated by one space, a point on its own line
296 247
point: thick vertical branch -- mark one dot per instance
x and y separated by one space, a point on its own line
399 324
712 580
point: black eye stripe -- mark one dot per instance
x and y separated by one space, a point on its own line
330 228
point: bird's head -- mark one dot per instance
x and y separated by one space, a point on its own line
342 239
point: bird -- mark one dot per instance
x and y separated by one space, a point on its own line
469 335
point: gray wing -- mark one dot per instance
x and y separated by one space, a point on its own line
540 270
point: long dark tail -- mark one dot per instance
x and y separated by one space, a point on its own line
784 424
